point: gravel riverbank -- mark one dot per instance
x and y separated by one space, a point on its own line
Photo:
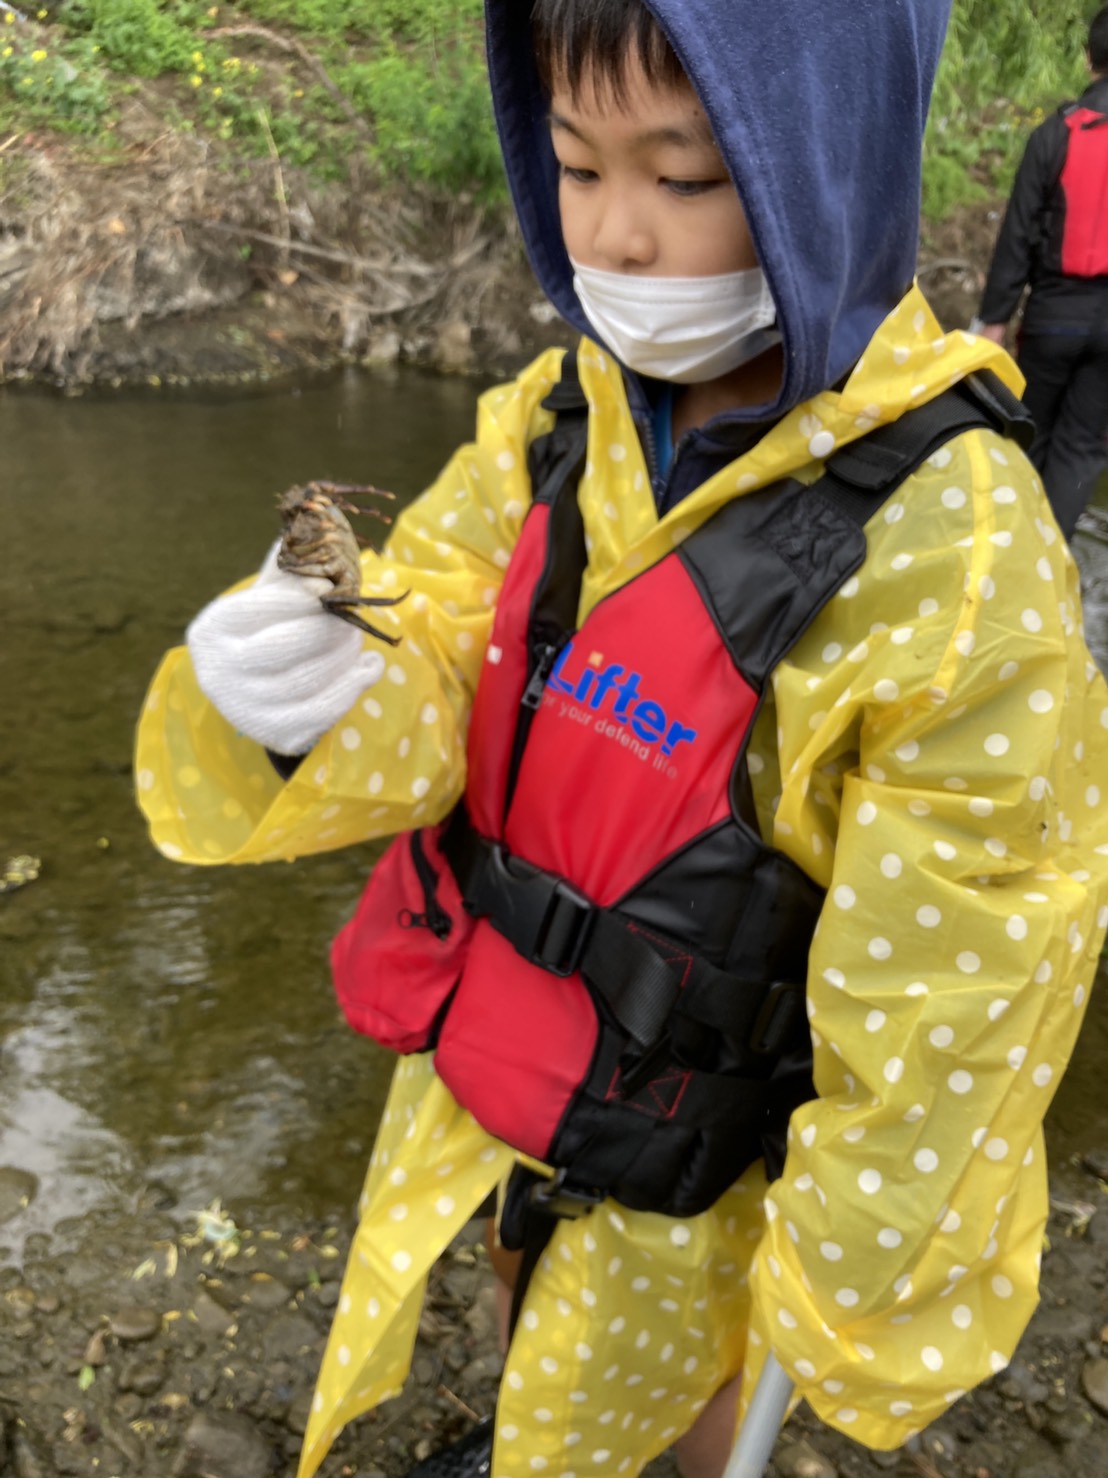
164 1346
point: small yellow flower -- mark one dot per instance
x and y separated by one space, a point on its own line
28 82
196 81
298 92
40 15
38 56
6 52
9 19
217 92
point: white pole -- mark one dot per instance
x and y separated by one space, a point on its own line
764 1420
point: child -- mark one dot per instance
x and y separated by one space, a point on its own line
728 754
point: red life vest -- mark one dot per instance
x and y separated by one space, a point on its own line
605 956
1084 184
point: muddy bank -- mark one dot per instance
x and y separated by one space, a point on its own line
176 265
187 1346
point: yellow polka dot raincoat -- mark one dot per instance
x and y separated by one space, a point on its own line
932 754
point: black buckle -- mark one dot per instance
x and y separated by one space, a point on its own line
555 1198
776 1019
543 916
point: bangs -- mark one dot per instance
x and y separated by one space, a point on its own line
579 42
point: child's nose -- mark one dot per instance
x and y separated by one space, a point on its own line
623 238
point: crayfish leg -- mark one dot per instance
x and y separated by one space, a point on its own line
373 600
342 607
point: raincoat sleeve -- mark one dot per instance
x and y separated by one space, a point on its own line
940 773
397 759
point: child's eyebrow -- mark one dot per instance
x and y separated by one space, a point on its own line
696 135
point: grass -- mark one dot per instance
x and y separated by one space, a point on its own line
402 83
1005 65
259 73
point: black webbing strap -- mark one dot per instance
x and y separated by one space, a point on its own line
641 977
860 477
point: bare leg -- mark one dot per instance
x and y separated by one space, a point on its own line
704 1449
505 1265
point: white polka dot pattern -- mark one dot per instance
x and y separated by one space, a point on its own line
932 753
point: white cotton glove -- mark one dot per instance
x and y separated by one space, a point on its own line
277 665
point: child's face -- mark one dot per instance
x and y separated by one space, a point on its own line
644 189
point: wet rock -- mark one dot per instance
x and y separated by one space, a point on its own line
798 1460
939 1444
124 1441
1094 1379
128 1407
25 1459
383 348
1064 1427
423 1368
453 351
1018 1383
264 1292
327 1295
1039 1461
157 1197
296 1418
22 1300
210 1315
67 1462
144 1377
480 1317
134 1323
290 1337
486 1367
1063 1324
17 1190
222 1444
1096 1163
96 1350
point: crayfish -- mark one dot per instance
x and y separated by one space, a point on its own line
318 540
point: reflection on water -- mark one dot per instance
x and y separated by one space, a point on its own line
176 1025
162 1023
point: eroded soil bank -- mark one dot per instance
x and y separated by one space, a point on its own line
173 265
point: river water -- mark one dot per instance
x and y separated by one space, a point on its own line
170 1032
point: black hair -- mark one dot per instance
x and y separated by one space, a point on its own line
1098 41
592 40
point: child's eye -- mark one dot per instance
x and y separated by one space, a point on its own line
578 176
688 188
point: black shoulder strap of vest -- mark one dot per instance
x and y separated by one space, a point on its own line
552 457
861 477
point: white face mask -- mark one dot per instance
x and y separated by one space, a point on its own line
684 329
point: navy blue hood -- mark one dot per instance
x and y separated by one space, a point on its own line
819 107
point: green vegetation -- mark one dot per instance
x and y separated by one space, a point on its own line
1007 63
401 82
